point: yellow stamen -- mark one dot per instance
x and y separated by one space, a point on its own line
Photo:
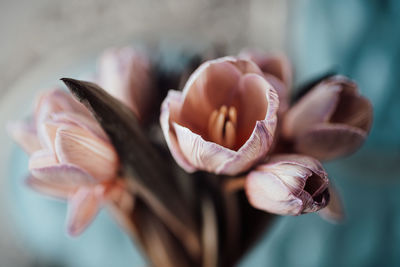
222 126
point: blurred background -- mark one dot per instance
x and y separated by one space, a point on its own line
44 40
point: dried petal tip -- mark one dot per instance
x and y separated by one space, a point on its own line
288 185
334 212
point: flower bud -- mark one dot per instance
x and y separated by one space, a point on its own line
330 121
125 73
288 185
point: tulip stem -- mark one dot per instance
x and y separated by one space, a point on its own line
234 185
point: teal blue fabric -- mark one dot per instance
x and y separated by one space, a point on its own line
360 39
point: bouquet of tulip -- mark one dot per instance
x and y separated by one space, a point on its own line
234 149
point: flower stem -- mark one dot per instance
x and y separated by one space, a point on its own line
235 184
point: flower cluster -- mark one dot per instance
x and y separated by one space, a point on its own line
234 112
230 119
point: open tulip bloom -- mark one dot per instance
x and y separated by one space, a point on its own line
230 120
71 158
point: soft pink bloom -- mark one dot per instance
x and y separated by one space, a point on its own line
331 120
224 120
277 70
125 73
71 157
288 185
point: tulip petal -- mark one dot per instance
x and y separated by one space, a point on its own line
49 189
47 133
85 122
334 212
77 146
201 154
125 74
300 160
209 156
25 135
277 64
282 91
265 191
82 209
353 109
255 96
42 158
170 109
66 175
328 141
57 101
315 107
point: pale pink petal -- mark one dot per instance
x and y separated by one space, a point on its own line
201 154
66 175
300 160
77 146
125 74
282 91
170 112
288 185
49 189
265 191
254 99
85 122
209 156
82 209
24 134
326 141
42 158
276 64
57 101
245 66
315 107
47 133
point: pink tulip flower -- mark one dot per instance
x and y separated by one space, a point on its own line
288 185
224 120
331 120
125 73
71 158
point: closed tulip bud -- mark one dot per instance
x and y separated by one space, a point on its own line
288 185
330 121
